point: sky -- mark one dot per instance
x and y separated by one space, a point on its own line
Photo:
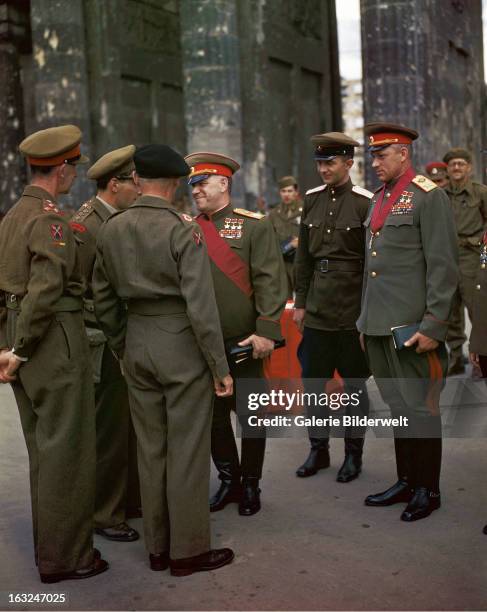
348 14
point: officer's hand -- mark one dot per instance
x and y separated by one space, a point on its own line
298 318
362 341
474 359
294 242
223 386
9 364
263 347
425 344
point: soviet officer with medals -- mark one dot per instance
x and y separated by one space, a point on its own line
116 190
329 270
410 279
250 288
285 218
45 355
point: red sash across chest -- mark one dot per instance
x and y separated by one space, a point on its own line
381 209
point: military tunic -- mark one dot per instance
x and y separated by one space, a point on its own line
410 277
41 318
253 240
113 424
155 302
285 219
469 204
478 336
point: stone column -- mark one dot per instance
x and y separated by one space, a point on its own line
13 33
211 70
60 80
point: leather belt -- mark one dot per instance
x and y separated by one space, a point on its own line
161 306
328 265
66 303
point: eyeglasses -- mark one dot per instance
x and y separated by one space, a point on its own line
459 164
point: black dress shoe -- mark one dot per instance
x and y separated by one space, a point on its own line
213 559
118 533
422 505
351 468
484 530
228 493
159 562
397 494
318 459
98 566
250 502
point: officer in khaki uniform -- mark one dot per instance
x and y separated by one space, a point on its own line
116 191
469 203
410 278
250 287
329 271
43 341
285 218
156 305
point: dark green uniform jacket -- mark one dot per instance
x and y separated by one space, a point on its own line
285 219
478 337
411 272
332 233
469 205
253 240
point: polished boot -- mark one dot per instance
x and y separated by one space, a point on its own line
318 458
97 567
250 502
230 490
159 562
421 505
352 465
400 492
118 533
213 559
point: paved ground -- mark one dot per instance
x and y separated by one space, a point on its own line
313 546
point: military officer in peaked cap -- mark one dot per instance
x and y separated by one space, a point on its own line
410 279
116 190
437 171
45 356
285 218
155 303
250 287
329 271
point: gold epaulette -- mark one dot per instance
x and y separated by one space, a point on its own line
84 211
248 213
424 183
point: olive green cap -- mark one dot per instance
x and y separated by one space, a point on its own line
119 162
287 181
54 146
458 153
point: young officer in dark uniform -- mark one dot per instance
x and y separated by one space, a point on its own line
155 302
41 322
410 279
250 287
116 191
329 271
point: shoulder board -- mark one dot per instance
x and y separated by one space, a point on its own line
316 189
362 191
248 213
84 211
424 183
50 207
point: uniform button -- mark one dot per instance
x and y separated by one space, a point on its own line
328 231
377 233
333 199
374 253
388 194
478 287
348 229
331 214
373 274
483 266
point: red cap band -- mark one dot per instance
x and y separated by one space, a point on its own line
210 169
388 138
55 161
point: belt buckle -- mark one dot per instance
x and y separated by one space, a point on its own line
323 265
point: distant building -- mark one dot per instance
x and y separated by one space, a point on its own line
353 123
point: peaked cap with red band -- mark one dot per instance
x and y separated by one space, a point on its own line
436 169
204 164
382 135
54 146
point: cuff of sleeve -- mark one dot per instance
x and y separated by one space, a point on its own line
19 356
267 328
220 368
434 329
300 301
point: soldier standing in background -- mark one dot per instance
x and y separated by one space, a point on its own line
437 172
329 271
250 288
155 302
469 203
45 355
285 218
116 190
410 279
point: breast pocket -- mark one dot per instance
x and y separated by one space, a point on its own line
402 231
315 234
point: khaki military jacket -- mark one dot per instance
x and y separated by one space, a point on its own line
469 205
285 219
478 336
411 267
38 264
152 252
331 231
253 240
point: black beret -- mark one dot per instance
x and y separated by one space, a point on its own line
159 161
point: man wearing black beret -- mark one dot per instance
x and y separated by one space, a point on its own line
155 302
